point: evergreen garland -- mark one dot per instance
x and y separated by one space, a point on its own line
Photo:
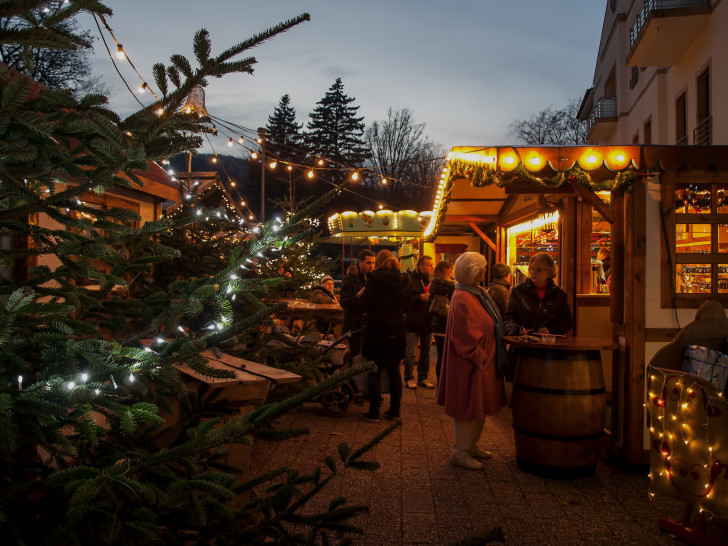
81 397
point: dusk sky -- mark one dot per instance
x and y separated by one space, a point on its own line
466 69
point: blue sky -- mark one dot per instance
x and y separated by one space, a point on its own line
466 69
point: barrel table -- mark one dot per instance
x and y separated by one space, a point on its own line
559 405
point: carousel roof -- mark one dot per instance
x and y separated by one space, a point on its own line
382 223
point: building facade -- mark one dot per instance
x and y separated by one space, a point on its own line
661 74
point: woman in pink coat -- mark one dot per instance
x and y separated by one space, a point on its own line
470 387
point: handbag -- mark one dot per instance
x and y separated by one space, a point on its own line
439 305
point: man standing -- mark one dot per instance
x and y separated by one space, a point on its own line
419 326
350 297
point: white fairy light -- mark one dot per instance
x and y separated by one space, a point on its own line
70 385
84 377
20 382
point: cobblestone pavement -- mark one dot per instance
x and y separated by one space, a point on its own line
418 497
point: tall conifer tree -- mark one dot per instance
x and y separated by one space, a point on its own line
335 133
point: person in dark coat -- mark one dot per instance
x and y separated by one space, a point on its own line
350 297
605 256
537 304
419 326
386 298
500 289
441 285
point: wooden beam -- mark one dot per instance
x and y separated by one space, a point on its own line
594 200
507 205
482 235
480 219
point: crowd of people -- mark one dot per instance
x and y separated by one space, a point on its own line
396 316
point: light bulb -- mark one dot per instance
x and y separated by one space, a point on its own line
254 155
143 87
159 111
214 160
241 140
321 162
230 143
355 176
310 174
120 53
384 181
273 164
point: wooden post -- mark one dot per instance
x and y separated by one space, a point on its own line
618 263
568 249
634 373
583 255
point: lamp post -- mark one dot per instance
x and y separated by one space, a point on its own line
261 139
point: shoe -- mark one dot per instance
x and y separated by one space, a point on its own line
410 384
478 453
425 384
462 459
392 416
372 416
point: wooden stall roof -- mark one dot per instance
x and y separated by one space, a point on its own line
482 185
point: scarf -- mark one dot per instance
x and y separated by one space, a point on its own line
489 305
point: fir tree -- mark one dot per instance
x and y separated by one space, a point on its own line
284 143
285 140
80 396
335 134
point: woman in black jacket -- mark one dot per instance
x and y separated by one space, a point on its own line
440 285
538 305
385 298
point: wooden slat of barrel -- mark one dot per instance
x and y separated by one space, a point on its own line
559 411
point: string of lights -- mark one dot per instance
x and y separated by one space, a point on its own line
321 163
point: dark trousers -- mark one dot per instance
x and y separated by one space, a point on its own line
391 368
440 345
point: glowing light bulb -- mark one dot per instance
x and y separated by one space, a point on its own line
242 203
159 111
214 159
321 162
289 168
143 87
381 207
355 176
273 164
120 53
509 160
535 161
241 140
230 143
310 174
259 140
254 155
384 181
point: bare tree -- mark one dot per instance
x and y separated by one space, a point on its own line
404 155
551 126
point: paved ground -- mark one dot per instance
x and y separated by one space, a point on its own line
418 497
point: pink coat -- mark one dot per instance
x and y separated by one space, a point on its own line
468 386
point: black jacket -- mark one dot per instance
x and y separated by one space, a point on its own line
500 292
527 310
352 305
418 316
386 299
445 288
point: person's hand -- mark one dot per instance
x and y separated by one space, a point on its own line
425 296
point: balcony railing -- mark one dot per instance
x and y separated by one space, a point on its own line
604 108
703 133
682 141
656 5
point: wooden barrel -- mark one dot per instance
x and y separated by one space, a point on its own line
559 411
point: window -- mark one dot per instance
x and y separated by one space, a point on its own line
636 138
702 135
681 121
696 225
647 132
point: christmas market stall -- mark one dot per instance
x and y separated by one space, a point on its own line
659 212
400 231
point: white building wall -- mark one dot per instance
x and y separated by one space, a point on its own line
658 87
